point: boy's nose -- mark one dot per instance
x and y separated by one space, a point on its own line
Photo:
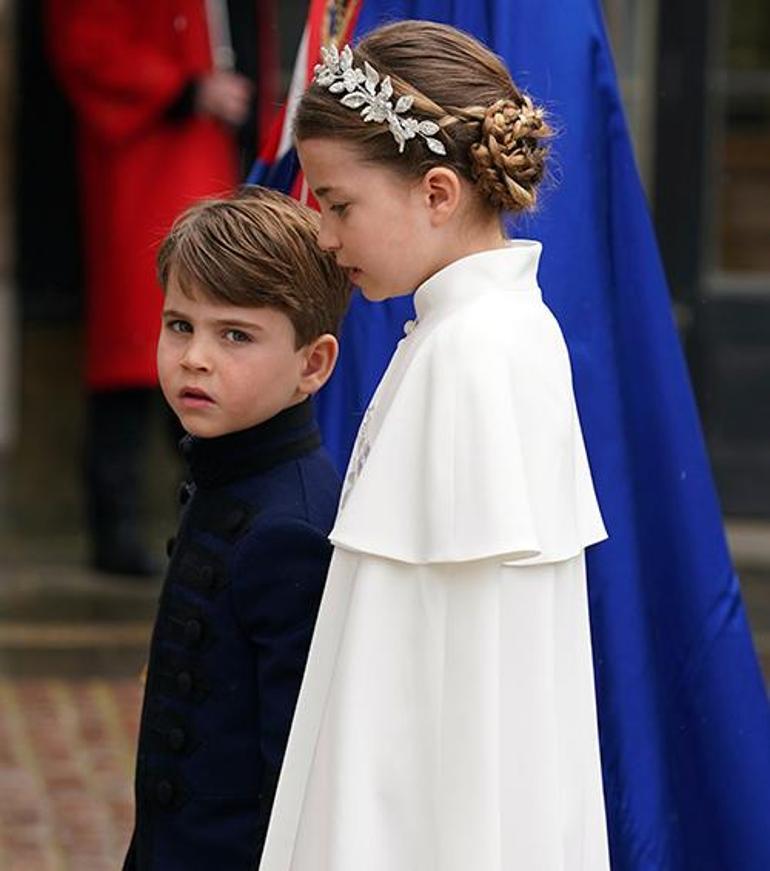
195 357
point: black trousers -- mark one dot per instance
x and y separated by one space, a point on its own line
117 430
116 467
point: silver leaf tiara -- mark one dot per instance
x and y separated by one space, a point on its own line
363 88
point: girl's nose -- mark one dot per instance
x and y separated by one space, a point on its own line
327 240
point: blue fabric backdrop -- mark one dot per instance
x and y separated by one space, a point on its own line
684 719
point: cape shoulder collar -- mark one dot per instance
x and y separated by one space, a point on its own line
509 269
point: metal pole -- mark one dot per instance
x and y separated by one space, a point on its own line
222 54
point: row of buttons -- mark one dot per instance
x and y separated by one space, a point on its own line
175 738
173 734
181 681
164 791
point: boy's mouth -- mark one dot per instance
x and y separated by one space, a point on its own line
194 397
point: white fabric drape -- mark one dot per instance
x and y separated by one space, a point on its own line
447 717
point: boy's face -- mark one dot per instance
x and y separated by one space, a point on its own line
225 368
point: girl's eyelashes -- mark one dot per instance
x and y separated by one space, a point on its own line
339 208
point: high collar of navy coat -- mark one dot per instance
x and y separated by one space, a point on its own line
218 461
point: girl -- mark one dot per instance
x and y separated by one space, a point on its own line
447 717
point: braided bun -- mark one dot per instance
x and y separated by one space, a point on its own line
508 161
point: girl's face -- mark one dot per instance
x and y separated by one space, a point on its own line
376 222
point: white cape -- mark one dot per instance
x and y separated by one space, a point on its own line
447 717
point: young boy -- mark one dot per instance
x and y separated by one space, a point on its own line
251 309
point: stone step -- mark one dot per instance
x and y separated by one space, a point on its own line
60 619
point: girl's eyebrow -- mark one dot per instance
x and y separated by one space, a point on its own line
323 191
170 313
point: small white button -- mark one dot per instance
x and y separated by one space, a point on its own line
409 326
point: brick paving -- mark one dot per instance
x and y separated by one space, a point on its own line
66 768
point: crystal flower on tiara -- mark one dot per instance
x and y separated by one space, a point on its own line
363 88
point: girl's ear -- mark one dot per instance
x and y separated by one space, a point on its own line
442 189
319 359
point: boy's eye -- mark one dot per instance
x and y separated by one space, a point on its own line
178 326
237 336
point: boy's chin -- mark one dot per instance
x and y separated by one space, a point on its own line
210 429
203 432
201 428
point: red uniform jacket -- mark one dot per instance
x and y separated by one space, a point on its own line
123 63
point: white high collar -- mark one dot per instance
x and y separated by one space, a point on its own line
513 268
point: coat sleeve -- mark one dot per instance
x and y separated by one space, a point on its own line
117 80
279 575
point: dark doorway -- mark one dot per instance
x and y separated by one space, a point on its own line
711 194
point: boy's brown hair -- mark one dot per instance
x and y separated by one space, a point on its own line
257 248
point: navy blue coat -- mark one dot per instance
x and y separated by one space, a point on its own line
234 623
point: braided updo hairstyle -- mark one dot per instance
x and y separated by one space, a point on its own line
494 135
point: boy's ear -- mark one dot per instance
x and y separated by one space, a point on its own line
320 357
442 190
